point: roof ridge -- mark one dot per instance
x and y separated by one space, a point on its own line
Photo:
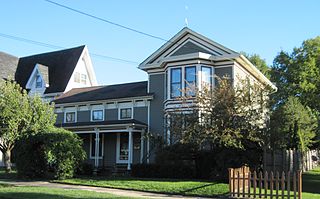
56 51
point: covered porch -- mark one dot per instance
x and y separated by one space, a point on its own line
113 143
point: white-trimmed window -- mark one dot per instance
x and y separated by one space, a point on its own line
125 113
93 146
38 81
176 83
83 79
97 115
70 117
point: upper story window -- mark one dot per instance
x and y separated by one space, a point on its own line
125 113
190 80
83 79
70 117
38 81
206 76
97 115
77 77
176 82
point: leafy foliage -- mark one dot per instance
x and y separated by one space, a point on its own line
260 63
57 151
20 114
293 126
224 116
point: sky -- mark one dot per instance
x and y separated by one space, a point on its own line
252 26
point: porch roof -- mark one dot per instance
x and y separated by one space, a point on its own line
108 123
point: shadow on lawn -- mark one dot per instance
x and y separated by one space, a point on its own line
311 183
28 195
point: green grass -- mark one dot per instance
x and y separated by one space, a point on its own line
311 181
181 187
12 192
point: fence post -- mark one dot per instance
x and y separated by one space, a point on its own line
299 184
230 181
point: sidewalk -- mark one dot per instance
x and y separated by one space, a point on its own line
119 192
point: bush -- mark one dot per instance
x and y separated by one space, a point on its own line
57 153
162 171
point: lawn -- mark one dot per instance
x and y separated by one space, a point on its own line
12 192
182 187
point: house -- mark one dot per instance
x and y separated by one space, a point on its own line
114 120
117 122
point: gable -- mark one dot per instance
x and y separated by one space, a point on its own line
8 65
186 42
60 65
189 47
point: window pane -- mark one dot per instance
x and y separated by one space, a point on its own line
77 77
176 85
191 79
125 113
176 75
97 115
38 81
93 145
206 76
83 79
70 117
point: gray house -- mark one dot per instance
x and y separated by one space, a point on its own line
116 121
113 120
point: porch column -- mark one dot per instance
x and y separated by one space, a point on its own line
130 151
96 154
141 145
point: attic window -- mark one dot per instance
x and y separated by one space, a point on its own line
38 81
77 77
83 79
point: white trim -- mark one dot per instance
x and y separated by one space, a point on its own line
102 147
118 161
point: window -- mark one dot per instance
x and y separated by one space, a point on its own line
38 81
125 113
206 76
97 115
93 145
191 79
70 117
77 77
83 79
176 84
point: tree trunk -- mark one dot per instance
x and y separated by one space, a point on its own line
7 160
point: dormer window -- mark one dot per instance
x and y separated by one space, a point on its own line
38 81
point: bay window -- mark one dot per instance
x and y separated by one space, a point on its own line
206 76
190 80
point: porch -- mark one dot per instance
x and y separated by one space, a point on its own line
112 145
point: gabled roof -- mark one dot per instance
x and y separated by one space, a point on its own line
186 41
8 65
61 65
96 93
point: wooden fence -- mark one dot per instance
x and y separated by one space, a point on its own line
246 184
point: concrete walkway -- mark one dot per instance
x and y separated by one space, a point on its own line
118 192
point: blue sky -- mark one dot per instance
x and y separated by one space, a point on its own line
262 27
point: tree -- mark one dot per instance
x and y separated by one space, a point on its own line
20 114
260 63
293 125
224 116
297 74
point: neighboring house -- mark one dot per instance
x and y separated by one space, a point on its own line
49 74
115 121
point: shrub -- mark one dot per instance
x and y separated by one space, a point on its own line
57 153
